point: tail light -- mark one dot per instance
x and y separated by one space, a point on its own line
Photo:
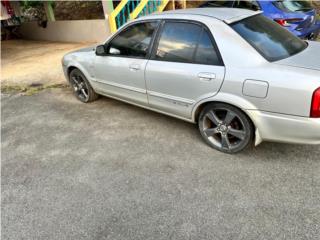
315 104
287 22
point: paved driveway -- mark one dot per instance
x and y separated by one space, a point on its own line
108 170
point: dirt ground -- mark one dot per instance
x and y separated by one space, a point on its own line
34 62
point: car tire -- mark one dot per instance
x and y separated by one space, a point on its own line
81 87
225 128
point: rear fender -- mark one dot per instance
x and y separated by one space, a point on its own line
233 100
227 98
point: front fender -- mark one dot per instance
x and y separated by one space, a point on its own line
74 64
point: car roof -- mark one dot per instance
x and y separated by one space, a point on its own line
227 15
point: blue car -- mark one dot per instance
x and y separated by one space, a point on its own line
297 16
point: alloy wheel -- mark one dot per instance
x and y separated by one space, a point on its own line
224 129
80 87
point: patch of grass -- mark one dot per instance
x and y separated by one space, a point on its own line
29 89
13 89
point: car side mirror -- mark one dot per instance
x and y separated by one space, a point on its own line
100 50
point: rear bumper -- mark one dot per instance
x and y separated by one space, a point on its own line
286 128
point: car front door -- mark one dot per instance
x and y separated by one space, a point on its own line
185 67
120 72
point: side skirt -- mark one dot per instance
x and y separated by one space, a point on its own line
145 107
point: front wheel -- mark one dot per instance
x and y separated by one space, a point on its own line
81 87
225 128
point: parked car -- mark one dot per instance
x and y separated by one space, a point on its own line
299 17
240 76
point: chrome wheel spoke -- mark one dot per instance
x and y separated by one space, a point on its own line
213 118
237 133
229 117
210 131
75 80
225 142
84 92
225 129
80 87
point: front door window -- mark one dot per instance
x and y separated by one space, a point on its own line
134 41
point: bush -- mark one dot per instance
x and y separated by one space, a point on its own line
33 10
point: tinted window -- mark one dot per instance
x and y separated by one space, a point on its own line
293 6
188 43
178 42
206 52
271 40
134 41
247 4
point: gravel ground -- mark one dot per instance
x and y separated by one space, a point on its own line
109 170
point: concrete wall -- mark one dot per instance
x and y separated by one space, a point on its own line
67 31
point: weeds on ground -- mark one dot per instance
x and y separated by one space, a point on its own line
29 90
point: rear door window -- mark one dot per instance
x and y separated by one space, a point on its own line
186 43
178 42
206 52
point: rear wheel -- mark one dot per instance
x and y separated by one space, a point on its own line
81 87
225 128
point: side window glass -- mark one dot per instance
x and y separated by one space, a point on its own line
206 52
134 41
178 42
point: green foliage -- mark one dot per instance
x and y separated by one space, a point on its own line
26 4
30 4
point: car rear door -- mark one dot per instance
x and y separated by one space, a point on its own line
185 67
121 72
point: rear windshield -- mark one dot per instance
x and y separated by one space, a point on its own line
271 40
293 6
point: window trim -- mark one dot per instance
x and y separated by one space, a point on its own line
203 28
106 44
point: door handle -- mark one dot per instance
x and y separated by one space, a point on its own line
134 67
206 76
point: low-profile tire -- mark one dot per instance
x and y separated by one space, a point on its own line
225 128
81 86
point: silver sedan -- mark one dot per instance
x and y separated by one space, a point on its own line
241 77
